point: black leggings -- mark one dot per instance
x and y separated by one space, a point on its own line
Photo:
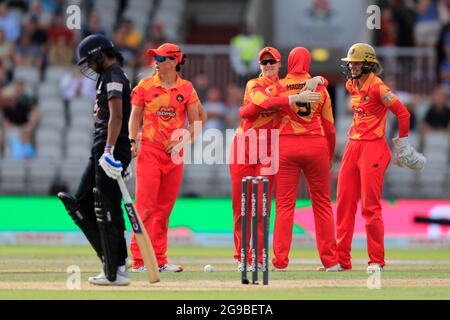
94 176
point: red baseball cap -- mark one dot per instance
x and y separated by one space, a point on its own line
167 50
272 51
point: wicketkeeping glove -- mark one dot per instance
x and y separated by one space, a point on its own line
406 156
113 168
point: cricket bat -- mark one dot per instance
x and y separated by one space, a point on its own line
142 239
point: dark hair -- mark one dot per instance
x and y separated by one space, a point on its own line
179 64
112 53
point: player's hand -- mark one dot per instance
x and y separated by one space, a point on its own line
128 173
311 84
406 156
112 167
134 150
305 97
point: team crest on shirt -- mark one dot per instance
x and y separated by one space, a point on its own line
166 113
180 98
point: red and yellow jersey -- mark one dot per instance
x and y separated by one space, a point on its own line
304 118
258 92
164 110
370 105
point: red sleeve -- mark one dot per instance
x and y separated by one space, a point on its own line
328 123
390 100
249 110
403 116
330 135
137 96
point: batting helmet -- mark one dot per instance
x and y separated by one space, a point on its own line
92 46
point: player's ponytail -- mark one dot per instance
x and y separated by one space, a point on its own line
182 62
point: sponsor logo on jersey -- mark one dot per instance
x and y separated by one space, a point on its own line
166 113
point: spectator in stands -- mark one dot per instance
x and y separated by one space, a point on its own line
234 96
157 36
61 42
426 33
27 54
61 54
37 10
9 22
39 36
216 110
444 67
201 84
58 29
127 44
6 53
70 88
93 26
438 114
132 37
21 116
73 86
403 15
244 49
144 63
388 28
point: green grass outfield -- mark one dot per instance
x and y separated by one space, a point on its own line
37 272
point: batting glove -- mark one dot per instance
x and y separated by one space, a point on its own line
113 168
406 156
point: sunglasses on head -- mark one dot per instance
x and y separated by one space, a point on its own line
162 59
268 61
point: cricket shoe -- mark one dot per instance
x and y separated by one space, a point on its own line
336 268
374 267
139 269
275 269
170 268
101 280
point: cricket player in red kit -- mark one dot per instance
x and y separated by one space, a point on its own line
307 142
254 134
164 101
367 155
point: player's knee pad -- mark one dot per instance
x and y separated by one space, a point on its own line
109 233
86 222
